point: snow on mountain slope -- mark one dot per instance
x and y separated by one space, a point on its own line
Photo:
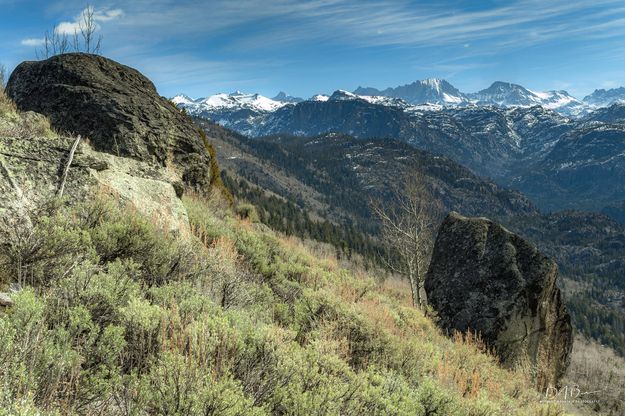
605 98
506 94
427 91
432 94
234 101
342 95
181 100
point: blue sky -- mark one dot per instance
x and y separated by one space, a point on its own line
307 47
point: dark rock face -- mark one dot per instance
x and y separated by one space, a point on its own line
486 279
115 107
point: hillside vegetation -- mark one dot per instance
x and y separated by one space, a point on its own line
112 312
117 316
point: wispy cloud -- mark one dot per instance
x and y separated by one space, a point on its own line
378 23
443 38
32 42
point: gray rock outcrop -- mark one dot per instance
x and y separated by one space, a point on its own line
488 280
116 108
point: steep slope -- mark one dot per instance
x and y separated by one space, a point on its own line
333 177
506 94
500 94
331 174
614 113
584 170
559 162
226 319
488 140
107 311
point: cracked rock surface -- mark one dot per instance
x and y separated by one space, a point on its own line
488 280
30 172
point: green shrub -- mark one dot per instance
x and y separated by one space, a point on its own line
176 385
41 245
160 259
228 320
247 211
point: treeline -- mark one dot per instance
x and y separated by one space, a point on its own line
596 321
288 218
322 169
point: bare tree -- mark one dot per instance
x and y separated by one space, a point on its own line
84 39
54 43
408 223
88 27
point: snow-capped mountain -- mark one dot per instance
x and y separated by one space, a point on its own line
427 91
237 110
506 94
432 94
342 95
182 100
238 100
434 91
605 98
515 135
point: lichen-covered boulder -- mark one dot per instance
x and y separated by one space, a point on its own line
488 280
30 175
116 108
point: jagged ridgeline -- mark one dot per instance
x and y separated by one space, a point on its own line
130 296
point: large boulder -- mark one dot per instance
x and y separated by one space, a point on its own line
116 108
485 279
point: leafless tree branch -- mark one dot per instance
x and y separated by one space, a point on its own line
84 38
408 222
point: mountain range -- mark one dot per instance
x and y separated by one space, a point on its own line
560 162
432 92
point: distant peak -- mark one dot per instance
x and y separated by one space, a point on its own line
342 95
433 81
285 98
503 84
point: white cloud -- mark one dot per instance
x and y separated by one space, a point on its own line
67 28
104 15
32 42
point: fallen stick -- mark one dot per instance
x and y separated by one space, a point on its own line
70 157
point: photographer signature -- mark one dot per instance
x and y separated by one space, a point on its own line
569 393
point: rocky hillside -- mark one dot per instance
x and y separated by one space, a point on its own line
584 170
105 309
